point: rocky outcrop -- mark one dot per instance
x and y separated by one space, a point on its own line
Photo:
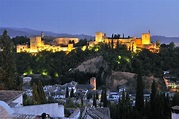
113 80
96 66
128 80
92 65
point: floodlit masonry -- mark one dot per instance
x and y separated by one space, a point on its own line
133 44
37 45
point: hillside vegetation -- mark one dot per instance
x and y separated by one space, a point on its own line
60 66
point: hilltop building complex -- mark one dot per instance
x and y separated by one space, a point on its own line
133 44
66 44
37 45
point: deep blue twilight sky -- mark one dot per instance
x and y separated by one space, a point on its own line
131 17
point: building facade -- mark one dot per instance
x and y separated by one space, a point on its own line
93 82
37 45
132 43
66 44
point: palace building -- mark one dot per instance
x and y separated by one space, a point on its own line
133 44
37 45
66 44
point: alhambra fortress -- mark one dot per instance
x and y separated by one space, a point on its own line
66 44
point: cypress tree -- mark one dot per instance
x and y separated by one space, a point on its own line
117 45
153 99
175 100
94 100
35 94
153 93
81 101
113 111
105 102
97 96
112 42
72 93
127 101
41 93
8 73
123 97
67 93
167 107
147 109
124 108
139 104
102 96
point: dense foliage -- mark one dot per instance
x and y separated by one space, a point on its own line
158 107
8 72
58 65
38 95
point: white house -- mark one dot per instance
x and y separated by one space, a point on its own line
6 112
175 112
11 97
27 80
53 109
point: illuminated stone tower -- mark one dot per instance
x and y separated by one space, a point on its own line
146 38
35 42
93 82
99 37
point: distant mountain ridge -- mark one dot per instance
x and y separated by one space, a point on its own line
164 39
13 32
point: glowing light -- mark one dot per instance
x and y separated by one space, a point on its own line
56 74
83 48
119 57
25 73
44 73
30 71
118 62
127 59
90 48
132 56
96 49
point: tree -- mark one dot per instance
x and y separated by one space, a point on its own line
147 109
89 96
123 97
171 45
124 108
153 95
67 93
102 96
8 73
21 40
35 94
139 93
117 45
94 100
81 101
175 100
113 111
105 102
97 96
41 93
72 93
112 43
